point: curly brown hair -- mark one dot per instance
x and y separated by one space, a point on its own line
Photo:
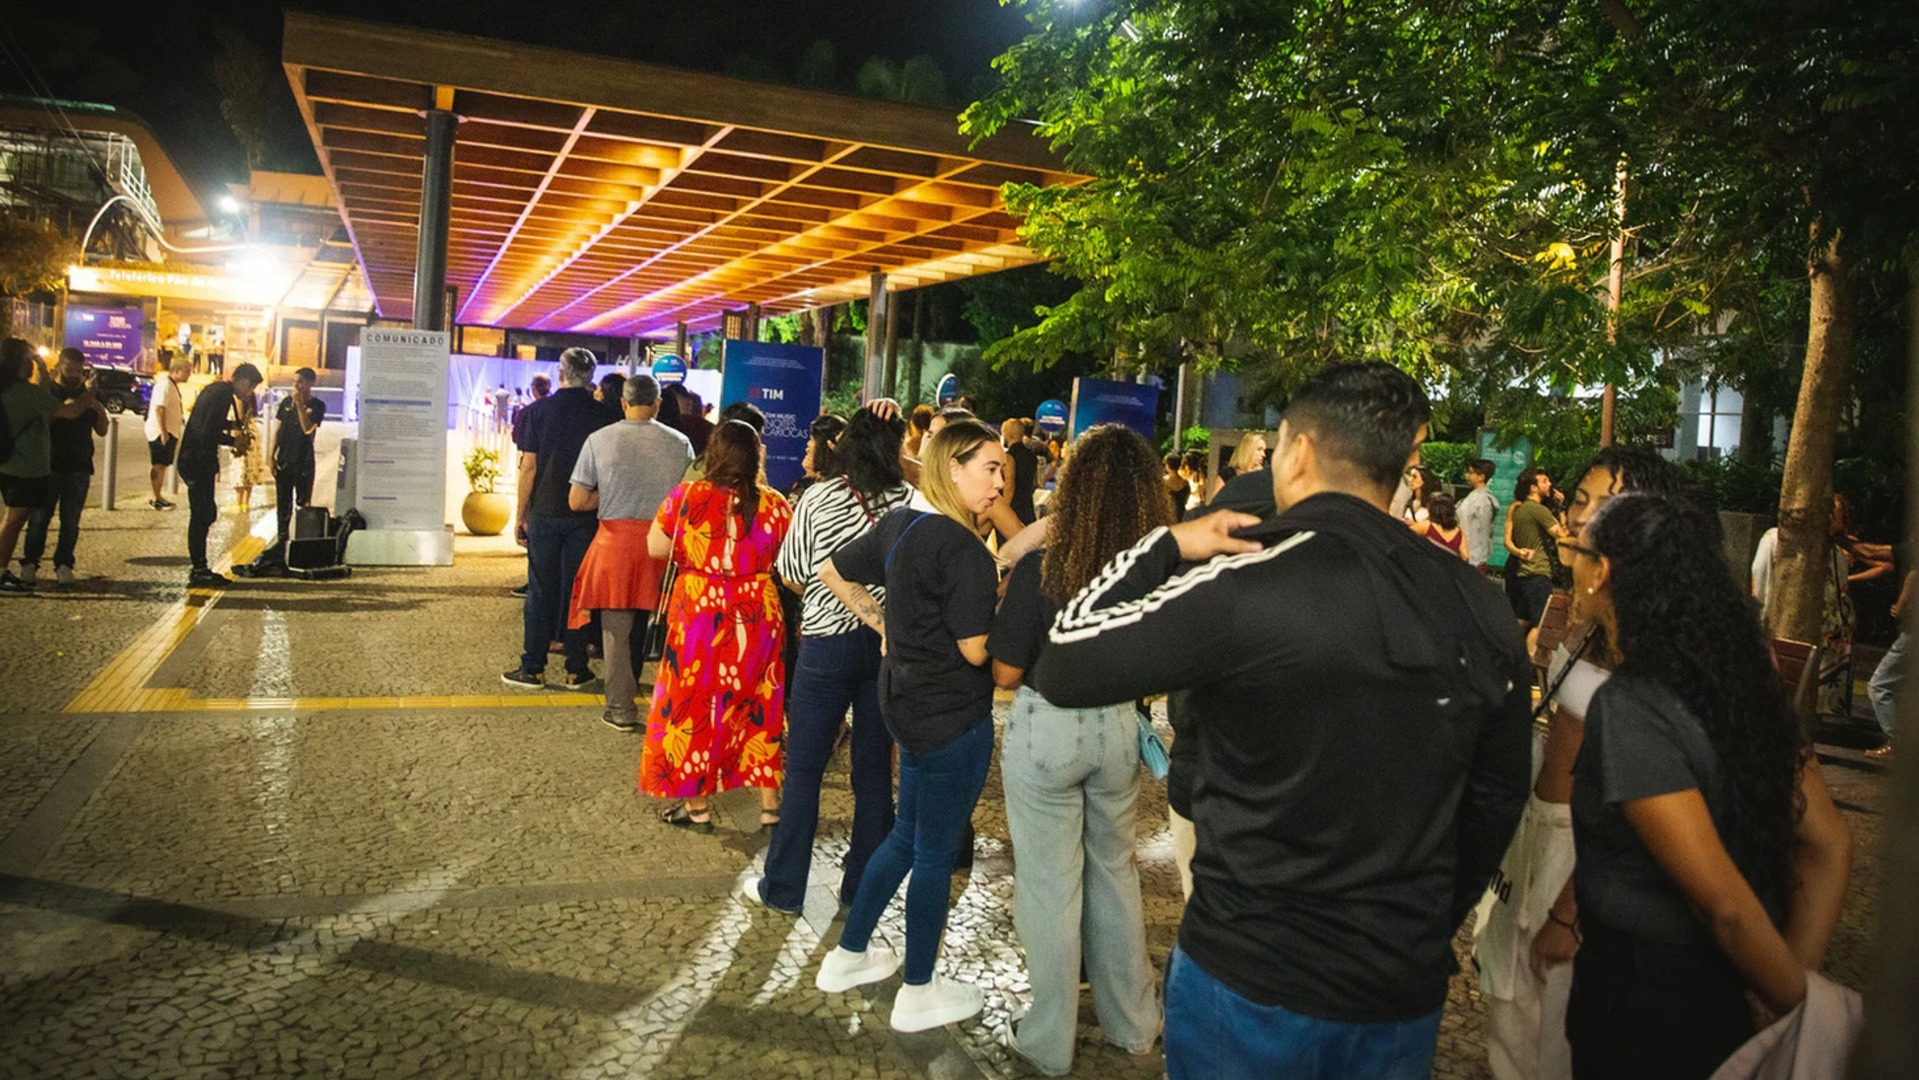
1109 496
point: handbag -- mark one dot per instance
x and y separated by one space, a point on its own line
656 630
1152 749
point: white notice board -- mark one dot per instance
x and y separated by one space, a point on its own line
402 450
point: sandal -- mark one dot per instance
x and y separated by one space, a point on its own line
769 820
678 816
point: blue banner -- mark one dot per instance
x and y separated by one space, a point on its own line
669 370
1105 401
1050 417
110 337
783 381
949 390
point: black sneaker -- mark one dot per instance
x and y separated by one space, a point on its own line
618 722
525 680
159 504
208 579
11 582
578 682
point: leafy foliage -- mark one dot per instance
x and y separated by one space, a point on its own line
33 256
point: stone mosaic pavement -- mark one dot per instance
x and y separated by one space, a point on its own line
450 892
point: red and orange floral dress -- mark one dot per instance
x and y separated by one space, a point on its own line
719 702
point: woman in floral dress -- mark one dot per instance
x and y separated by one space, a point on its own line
719 702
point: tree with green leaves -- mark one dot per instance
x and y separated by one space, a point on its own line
1279 185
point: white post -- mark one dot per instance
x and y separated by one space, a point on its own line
112 464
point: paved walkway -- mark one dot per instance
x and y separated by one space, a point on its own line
297 829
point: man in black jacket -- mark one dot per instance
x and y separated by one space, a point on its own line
212 424
1362 704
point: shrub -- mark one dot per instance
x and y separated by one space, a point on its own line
1448 459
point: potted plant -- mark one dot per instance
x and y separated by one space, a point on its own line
485 511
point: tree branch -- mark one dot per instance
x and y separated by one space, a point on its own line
1622 20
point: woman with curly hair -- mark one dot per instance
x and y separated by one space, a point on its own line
1712 863
937 699
1072 775
718 715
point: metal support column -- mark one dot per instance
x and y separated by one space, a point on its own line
436 199
878 300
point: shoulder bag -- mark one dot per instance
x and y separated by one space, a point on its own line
656 630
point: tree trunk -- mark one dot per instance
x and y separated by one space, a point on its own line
893 346
1889 1046
1805 494
919 350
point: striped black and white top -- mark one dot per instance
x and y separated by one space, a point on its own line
829 516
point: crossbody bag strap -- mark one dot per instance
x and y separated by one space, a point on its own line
861 499
902 536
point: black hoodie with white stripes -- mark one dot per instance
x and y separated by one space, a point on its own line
1361 701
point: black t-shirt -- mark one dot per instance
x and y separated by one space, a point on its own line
1025 615
1019 494
294 447
72 439
940 585
554 428
1641 741
209 427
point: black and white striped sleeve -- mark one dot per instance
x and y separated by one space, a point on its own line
1142 627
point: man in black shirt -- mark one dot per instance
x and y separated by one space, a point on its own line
1362 704
72 461
1025 470
291 455
556 536
212 424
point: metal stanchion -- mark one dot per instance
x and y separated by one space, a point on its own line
108 490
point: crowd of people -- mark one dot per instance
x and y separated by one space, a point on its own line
1655 872
1363 755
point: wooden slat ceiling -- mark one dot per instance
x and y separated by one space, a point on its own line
610 197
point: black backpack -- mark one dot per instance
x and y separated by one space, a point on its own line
6 434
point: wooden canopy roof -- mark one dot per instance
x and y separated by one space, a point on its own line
612 197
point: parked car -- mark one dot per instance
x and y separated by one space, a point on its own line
120 390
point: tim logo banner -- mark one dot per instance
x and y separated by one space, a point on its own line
1104 401
783 381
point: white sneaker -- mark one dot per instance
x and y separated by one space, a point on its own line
64 574
843 970
29 573
939 1002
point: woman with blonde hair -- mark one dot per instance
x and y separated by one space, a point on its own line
936 695
1072 775
719 705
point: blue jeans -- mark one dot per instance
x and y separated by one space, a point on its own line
1212 1033
554 548
938 791
1883 689
68 497
834 672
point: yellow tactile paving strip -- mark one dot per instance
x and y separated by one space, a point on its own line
121 686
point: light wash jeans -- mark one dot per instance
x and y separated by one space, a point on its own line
1884 687
1071 778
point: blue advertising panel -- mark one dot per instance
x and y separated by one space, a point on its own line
1105 401
1508 463
949 390
1050 417
669 370
111 337
783 381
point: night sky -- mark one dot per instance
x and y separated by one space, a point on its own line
159 57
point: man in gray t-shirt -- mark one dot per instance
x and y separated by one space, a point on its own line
624 472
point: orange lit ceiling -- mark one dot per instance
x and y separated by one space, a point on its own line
611 197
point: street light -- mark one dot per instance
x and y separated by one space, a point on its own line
229 204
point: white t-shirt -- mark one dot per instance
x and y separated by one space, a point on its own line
166 395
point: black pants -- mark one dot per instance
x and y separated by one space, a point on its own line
1650 1010
202 512
554 548
69 498
291 484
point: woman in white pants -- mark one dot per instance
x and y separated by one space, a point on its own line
1072 775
